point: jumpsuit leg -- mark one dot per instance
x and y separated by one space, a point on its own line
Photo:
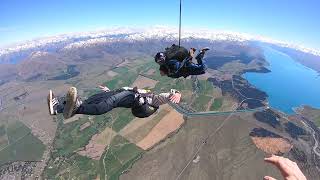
99 104
199 58
196 69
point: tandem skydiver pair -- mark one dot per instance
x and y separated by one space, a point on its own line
176 62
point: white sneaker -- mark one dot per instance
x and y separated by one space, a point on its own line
53 103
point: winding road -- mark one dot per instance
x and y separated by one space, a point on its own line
316 143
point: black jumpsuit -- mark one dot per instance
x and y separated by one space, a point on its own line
104 102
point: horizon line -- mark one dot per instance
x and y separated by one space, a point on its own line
141 29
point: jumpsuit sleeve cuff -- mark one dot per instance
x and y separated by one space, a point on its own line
174 91
127 88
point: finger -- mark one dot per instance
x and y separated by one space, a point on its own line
102 88
179 96
269 178
281 164
173 100
173 97
273 159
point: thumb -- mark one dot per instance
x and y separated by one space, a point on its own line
268 178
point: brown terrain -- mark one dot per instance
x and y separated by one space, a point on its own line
227 153
146 132
72 119
150 72
143 82
85 125
51 67
96 146
139 129
168 124
32 109
112 73
272 145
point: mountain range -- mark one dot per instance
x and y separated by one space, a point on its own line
20 51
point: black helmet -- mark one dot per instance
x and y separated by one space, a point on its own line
160 58
143 110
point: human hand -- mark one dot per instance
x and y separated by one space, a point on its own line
288 168
104 88
175 98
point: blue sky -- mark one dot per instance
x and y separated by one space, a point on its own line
289 20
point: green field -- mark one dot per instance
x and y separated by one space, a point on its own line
216 105
3 137
165 84
206 87
16 130
119 157
201 102
125 77
75 167
2 130
21 145
122 118
317 121
69 138
64 162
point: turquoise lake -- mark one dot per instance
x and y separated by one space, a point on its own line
289 84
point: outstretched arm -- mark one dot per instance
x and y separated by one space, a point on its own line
106 89
138 90
173 96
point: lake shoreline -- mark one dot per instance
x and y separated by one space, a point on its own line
288 83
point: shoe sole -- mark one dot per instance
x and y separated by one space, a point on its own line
50 105
204 49
70 102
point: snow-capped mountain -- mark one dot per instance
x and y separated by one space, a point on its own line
76 40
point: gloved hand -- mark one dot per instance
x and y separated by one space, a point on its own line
175 97
104 88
